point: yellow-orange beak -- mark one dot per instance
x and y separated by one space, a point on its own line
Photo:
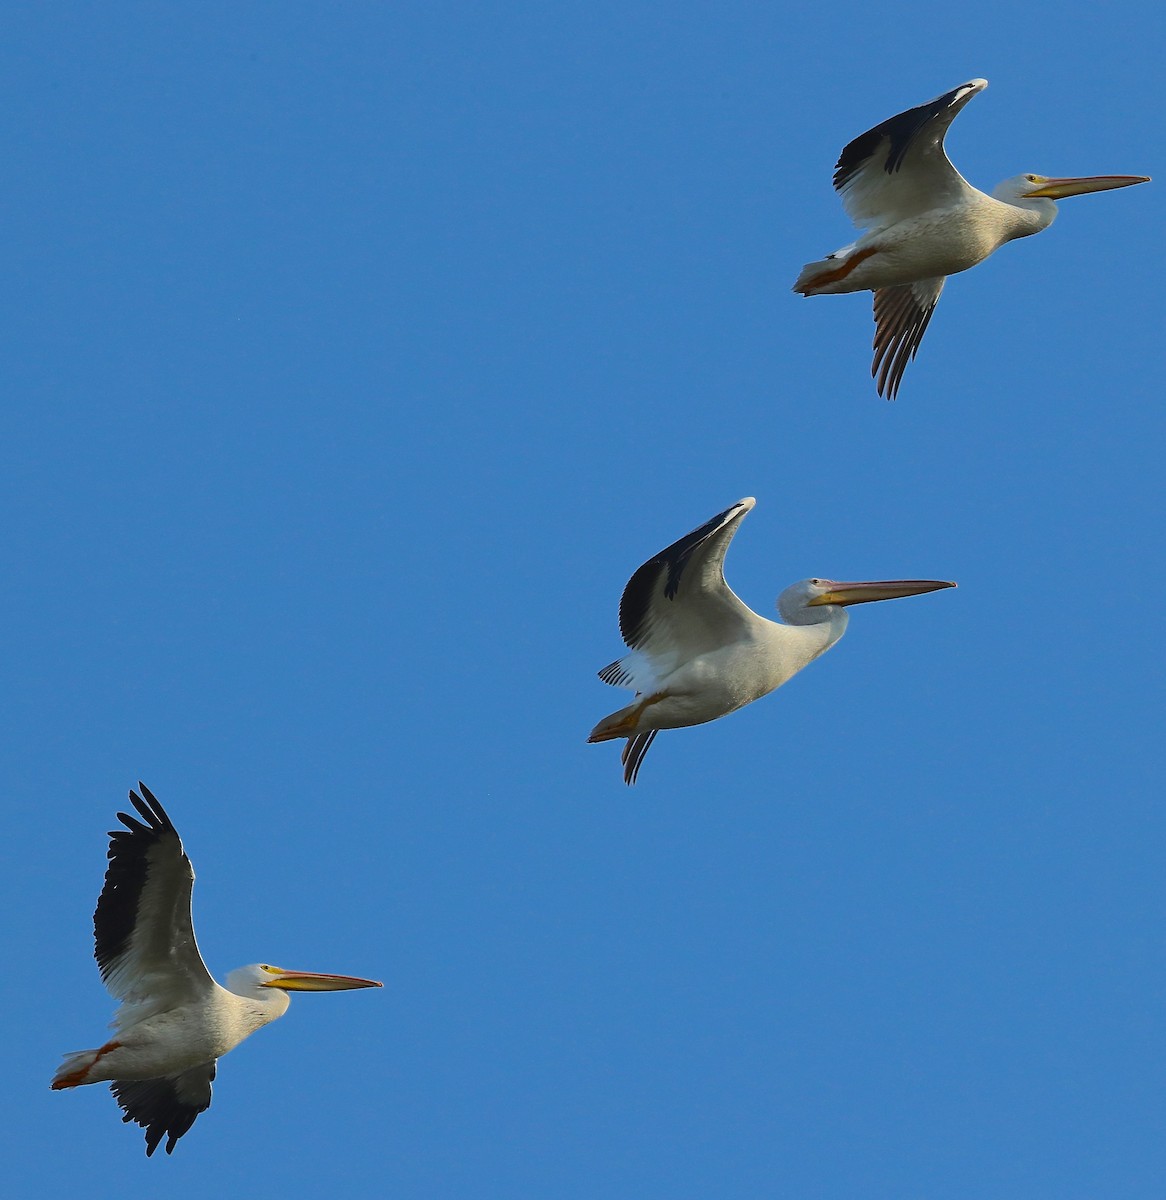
310 981
1059 189
883 589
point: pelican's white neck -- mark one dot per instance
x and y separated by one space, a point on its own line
810 629
1031 213
795 608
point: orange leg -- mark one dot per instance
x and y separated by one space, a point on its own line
634 717
78 1077
626 726
841 272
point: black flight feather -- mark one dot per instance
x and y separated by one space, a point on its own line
670 563
129 849
899 131
165 1108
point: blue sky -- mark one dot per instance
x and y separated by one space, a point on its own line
355 356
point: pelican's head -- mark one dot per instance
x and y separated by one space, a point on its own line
250 981
1039 187
815 600
1021 188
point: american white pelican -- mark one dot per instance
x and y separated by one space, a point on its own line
175 1021
698 653
924 221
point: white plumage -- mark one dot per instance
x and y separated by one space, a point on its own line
698 652
174 1021
923 222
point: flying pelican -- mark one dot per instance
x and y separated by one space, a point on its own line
924 221
174 1022
698 653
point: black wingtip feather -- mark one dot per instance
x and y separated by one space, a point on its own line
633 754
615 674
159 1108
150 808
128 854
637 596
900 326
899 131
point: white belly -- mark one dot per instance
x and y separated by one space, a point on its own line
166 1044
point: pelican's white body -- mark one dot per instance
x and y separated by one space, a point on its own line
943 240
923 222
166 1041
696 652
174 1022
719 682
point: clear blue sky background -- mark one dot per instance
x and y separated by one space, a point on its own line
353 356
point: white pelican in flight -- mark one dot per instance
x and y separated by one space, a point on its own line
923 222
174 1022
698 653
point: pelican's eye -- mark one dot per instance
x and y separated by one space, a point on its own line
1033 178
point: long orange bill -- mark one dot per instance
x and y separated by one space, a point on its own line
1059 189
883 589
310 981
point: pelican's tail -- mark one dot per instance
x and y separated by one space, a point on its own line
72 1072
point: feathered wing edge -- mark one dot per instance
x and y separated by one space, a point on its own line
895 136
165 1108
144 939
632 755
901 314
617 674
708 541
869 163
126 878
658 580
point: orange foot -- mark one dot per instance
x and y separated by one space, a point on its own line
841 272
609 729
78 1077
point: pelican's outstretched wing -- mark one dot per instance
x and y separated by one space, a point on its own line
677 606
901 316
899 169
165 1108
144 939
